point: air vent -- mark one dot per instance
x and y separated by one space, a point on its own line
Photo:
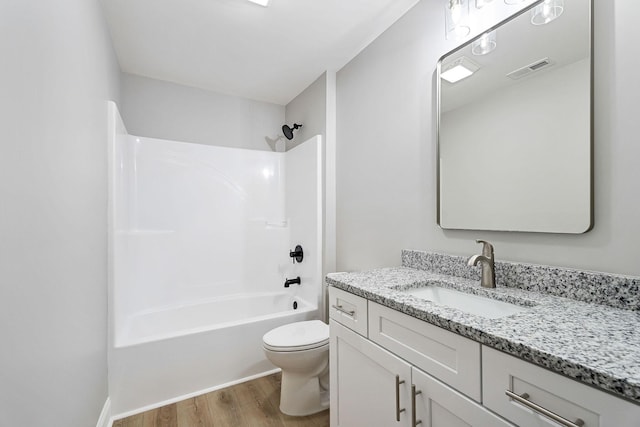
536 66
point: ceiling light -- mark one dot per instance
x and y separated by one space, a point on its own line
263 3
456 19
459 69
485 44
547 11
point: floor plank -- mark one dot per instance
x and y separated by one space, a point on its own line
251 404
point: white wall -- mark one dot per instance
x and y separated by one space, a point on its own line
159 109
386 193
57 70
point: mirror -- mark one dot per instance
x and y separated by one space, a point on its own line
515 136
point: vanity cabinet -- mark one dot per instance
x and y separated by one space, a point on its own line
437 405
578 404
369 385
451 358
349 310
372 387
390 369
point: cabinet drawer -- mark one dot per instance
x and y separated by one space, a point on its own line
452 359
348 309
563 396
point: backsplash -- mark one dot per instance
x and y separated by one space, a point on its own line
587 286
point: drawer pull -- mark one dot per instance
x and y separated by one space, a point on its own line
398 410
522 399
343 310
414 393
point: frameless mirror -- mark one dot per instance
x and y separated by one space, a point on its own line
515 133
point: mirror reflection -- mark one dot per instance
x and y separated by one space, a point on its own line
514 128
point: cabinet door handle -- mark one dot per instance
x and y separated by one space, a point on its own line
343 310
414 393
522 399
398 410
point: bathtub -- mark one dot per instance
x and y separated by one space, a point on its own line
167 355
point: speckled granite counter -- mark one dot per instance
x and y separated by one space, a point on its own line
596 344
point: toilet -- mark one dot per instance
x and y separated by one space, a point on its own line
301 350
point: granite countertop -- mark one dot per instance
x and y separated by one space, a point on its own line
593 343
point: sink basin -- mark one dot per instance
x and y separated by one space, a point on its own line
472 304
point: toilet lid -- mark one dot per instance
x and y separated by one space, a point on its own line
297 336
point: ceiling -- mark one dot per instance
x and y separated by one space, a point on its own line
239 48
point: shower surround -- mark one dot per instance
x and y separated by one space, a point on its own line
199 251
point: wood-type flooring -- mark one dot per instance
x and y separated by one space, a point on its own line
251 404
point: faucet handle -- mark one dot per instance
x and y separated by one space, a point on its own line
487 248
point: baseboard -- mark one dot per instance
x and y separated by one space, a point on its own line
186 396
105 415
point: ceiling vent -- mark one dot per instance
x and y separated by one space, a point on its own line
536 66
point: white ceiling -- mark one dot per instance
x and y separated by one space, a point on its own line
238 48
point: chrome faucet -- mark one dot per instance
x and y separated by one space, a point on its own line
488 279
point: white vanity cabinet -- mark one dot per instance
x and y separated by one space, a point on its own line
400 371
369 385
437 405
372 386
538 390
451 358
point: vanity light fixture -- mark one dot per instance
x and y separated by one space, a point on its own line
263 3
459 69
456 18
547 11
482 3
485 44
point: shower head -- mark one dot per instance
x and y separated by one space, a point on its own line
288 131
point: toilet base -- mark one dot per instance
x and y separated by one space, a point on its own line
301 395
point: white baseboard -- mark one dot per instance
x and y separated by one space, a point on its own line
105 415
187 396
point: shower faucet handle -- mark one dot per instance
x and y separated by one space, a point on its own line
296 254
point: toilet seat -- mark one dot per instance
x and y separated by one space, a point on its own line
297 336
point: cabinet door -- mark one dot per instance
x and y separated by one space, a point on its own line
438 405
364 390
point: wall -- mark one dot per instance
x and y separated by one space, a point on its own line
386 193
58 70
308 109
164 110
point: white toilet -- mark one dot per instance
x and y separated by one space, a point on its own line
301 350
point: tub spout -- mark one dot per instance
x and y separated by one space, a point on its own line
289 282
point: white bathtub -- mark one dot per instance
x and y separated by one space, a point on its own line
166 355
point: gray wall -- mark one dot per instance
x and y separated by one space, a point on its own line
308 109
159 109
58 68
386 183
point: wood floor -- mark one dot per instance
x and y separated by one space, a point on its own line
251 404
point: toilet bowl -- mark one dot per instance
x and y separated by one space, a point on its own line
301 350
